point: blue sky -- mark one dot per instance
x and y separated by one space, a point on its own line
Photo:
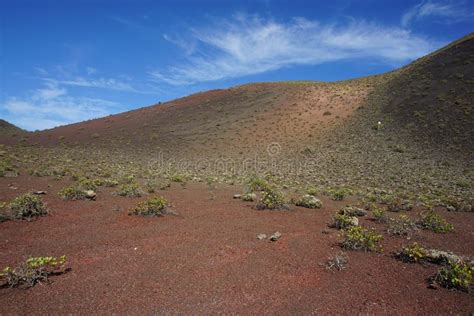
68 61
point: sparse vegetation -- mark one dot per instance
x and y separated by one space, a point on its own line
72 193
34 270
152 207
361 238
27 206
337 262
129 190
412 253
379 214
434 222
401 225
456 275
338 194
344 221
271 199
309 201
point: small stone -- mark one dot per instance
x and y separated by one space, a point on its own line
275 236
354 221
90 194
261 236
353 211
39 192
451 208
237 196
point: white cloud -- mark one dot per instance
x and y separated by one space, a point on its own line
105 83
51 107
447 11
247 45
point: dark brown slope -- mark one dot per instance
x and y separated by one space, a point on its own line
8 129
433 99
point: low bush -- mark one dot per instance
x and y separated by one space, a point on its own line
338 194
256 184
337 262
312 191
360 238
178 178
344 221
379 214
249 197
152 207
455 275
110 183
34 270
27 206
271 199
129 190
413 253
87 184
401 226
434 222
309 201
72 193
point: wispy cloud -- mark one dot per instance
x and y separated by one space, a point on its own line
104 83
51 106
448 12
247 45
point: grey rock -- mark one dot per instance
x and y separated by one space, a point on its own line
261 236
275 236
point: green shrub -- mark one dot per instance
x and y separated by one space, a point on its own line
110 183
34 270
312 191
360 238
457 275
27 206
249 197
379 214
129 190
72 194
87 184
271 199
344 221
3 209
164 184
178 178
413 253
256 184
309 201
150 185
401 226
338 194
7 169
151 207
435 223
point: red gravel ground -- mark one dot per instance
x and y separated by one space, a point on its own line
207 259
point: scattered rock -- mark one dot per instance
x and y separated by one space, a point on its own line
275 236
237 196
441 256
309 201
39 192
91 195
399 206
353 211
354 221
451 208
261 236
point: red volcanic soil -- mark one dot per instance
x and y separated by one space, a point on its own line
207 259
